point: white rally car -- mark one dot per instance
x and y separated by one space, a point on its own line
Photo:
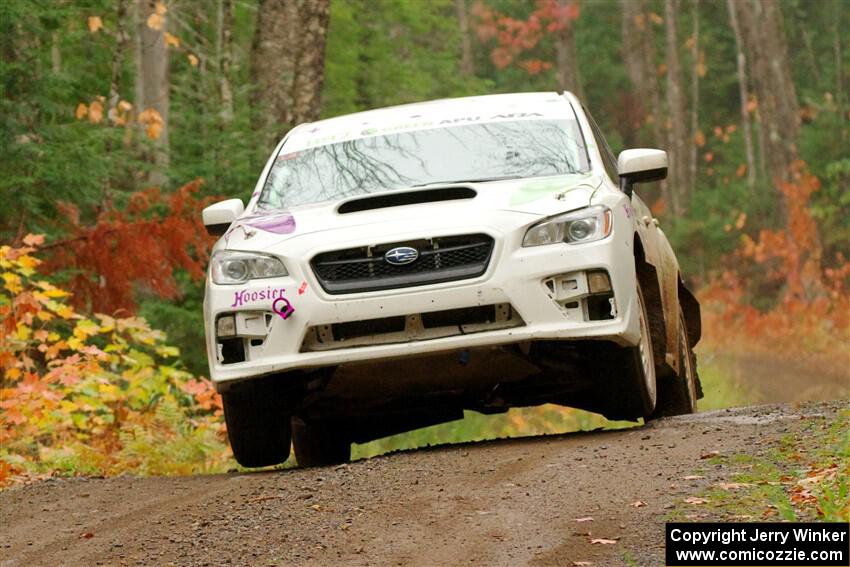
397 266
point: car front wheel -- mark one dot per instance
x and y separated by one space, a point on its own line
632 394
257 426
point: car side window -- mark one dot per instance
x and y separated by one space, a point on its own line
608 159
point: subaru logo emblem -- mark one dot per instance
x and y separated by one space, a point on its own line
401 255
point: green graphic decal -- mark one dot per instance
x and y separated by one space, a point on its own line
535 190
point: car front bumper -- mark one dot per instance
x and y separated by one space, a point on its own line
521 278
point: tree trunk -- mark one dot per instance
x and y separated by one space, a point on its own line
639 56
695 74
678 130
743 92
153 85
288 62
762 30
467 66
226 57
569 78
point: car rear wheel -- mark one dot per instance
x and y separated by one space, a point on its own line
320 443
259 430
678 393
633 386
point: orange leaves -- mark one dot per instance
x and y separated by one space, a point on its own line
193 61
156 20
156 229
152 122
811 302
93 111
699 139
95 24
171 40
535 66
515 37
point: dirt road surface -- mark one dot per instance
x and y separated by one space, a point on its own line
509 502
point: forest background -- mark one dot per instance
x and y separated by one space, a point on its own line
121 119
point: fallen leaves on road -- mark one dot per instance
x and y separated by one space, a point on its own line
585 519
603 541
695 500
638 504
710 454
581 563
693 477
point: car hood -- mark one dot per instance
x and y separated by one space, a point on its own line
527 198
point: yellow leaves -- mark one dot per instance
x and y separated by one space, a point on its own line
95 24
107 323
12 282
22 332
699 139
701 67
152 121
89 379
86 328
171 40
159 8
193 61
656 19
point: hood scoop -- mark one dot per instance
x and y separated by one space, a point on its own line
386 200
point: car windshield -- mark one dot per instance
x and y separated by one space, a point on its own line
470 152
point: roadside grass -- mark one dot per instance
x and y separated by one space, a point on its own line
519 422
722 384
804 477
721 390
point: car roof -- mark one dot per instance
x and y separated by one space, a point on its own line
430 114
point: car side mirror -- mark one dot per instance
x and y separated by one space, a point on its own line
219 217
640 165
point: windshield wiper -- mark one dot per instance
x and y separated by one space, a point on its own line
482 180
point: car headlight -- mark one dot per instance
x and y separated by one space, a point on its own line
234 267
584 225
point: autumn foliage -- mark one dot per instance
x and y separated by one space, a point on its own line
141 246
515 36
93 394
810 316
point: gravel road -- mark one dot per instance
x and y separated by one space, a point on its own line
507 502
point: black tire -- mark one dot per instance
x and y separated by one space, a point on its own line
257 425
320 443
632 378
678 393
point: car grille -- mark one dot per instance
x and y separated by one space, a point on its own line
443 259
